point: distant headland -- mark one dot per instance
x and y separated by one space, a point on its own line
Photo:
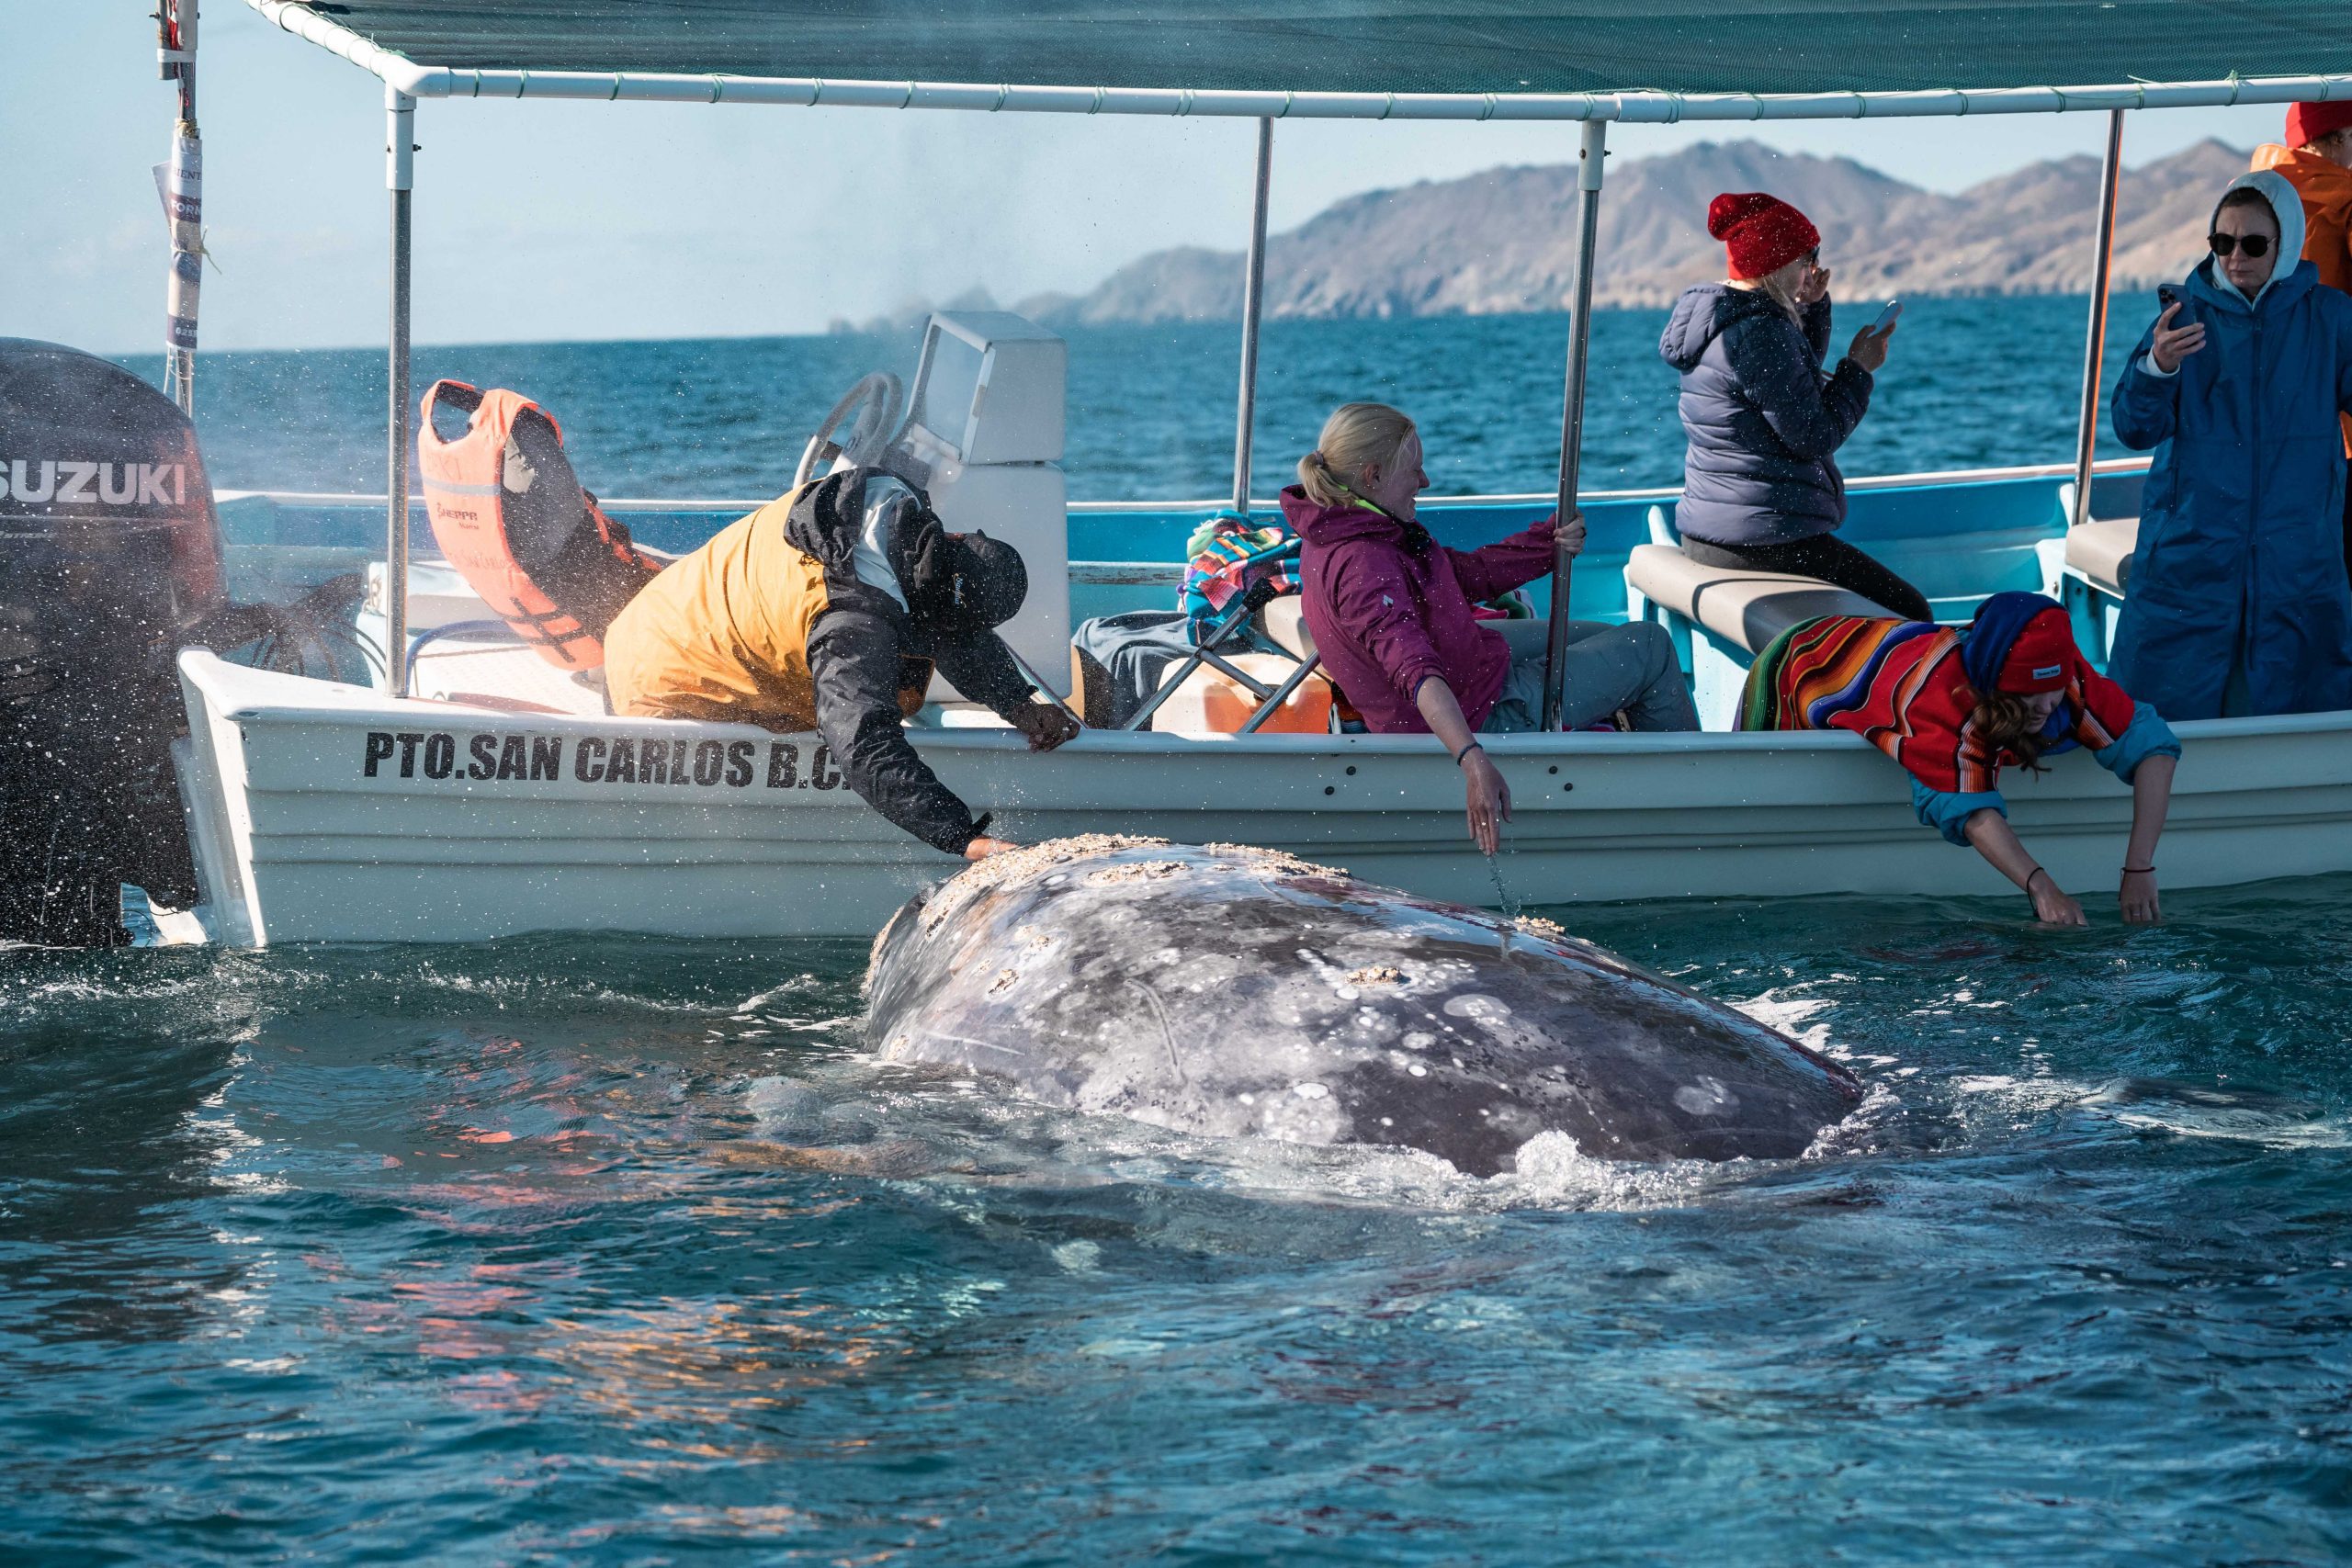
1501 242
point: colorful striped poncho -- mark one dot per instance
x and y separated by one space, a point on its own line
1905 687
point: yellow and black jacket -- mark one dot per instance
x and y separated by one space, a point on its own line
768 624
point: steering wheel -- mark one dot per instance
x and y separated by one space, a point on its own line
878 399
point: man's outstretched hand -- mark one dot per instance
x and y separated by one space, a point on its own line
1047 727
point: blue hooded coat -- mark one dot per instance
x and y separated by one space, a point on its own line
1761 418
2238 592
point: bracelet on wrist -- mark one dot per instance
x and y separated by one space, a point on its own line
1474 746
2038 871
2139 870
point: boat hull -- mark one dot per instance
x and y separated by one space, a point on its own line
318 817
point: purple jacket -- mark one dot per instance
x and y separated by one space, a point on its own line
1387 616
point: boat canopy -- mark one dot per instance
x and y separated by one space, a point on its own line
1630 59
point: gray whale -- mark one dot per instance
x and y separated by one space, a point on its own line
1232 992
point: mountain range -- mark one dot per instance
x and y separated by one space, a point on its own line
1504 240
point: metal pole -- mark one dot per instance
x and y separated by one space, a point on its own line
181 186
399 118
1253 295
1596 148
2095 351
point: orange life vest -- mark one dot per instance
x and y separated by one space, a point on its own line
465 496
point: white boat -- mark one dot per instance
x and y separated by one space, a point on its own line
488 796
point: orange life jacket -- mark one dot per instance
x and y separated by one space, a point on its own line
465 496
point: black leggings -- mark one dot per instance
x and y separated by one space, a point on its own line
1824 555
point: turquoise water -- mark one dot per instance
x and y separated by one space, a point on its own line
613 1251
621 1251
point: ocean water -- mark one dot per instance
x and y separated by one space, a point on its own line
622 1251
613 1250
1971 383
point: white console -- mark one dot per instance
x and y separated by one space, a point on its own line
984 434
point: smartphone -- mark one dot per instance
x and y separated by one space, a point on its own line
2167 296
1886 317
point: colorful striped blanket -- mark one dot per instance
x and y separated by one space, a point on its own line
1217 570
1902 686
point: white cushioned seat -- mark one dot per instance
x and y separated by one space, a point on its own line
1286 622
1749 608
2100 552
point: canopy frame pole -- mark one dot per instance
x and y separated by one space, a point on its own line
183 193
400 122
1253 297
2095 349
1594 152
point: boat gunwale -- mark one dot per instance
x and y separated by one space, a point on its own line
369 703
1926 480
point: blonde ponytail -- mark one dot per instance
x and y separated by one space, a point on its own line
1357 435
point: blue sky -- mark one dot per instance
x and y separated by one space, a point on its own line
552 220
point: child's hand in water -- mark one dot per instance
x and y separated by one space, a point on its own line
2052 907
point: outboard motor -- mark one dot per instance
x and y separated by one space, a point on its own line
110 558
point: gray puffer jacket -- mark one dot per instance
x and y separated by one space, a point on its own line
1761 418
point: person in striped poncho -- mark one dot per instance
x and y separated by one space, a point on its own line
1954 706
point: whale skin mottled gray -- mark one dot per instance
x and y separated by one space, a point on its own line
1233 992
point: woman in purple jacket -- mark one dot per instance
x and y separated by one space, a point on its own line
1390 608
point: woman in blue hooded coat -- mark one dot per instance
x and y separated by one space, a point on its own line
2238 602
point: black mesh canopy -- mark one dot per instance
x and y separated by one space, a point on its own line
1383 46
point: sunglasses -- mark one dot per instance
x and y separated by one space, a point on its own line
2256 245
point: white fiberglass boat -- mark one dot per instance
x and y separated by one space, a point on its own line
472 792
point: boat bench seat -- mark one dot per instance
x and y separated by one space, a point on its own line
1284 621
2099 552
494 670
1748 608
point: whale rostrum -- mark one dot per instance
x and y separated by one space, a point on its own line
1228 992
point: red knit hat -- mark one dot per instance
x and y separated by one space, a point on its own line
2043 657
1762 233
2306 123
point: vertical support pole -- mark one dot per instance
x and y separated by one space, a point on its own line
399 123
2095 351
1253 297
1595 149
181 184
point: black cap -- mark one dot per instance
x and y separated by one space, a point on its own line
991 582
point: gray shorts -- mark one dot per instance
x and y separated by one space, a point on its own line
1604 669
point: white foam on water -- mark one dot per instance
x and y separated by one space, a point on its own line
792 988
1554 1174
1078 1256
1860 1130
1786 1014
2029 1094
2189 1110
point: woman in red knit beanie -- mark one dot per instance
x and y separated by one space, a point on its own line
1762 490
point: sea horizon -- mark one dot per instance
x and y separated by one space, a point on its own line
1973 382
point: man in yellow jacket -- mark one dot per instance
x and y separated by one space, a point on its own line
2315 156
826 609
